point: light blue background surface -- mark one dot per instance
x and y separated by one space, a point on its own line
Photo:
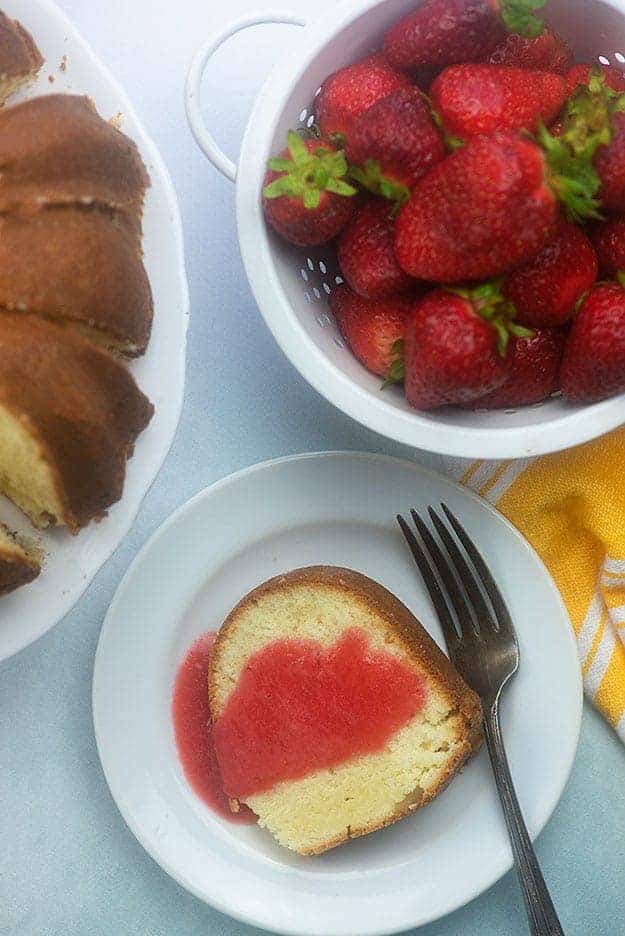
68 864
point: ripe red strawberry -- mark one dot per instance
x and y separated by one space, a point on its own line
608 238
546 52
545 290
305 196
534 365
455 346
393 143
444 32
366 251
374 329
593 366
351 90
610 164
483 210
580 74
474 99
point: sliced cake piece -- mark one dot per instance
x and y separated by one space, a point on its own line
81 268
56 149
19 563
69 417
20 59
334 712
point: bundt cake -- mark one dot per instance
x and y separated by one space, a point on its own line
20 59
334 712
19 562
81 268
69 416
56 149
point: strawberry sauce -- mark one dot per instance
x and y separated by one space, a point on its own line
300 707
194 733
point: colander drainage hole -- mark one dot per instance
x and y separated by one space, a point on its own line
619 57
323 268
339 342
310 121
307 297
311 265
327 289
604 60
303 115
304 274
316 293
338 279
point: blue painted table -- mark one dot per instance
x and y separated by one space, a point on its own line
68 864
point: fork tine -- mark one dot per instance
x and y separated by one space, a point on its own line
463 612
434 589
465 574
497 600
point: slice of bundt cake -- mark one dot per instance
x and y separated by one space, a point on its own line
334 712
56 149
69 416
20 59
81 268
19 562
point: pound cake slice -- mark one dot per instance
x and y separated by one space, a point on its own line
82 268
56 149
20 59
69 417
334 712
19 563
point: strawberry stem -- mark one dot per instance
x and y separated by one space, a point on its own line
518 17
305 175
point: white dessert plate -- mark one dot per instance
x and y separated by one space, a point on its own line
338 509
73 561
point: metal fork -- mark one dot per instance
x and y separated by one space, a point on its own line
482 645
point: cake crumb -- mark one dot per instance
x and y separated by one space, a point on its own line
116 121
51 79
63 65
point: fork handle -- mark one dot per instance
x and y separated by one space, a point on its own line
543 919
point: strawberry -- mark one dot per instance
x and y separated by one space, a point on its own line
374 329
393 143
306 198
487 208
546 52
474 99
455 346
610 164
546 289
351 90
593 366
609 242
534 365
580 75
444 32
366 251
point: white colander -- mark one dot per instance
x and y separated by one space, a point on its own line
291 285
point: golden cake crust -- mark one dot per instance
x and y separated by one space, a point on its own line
416 642
82 407
80 267
56 149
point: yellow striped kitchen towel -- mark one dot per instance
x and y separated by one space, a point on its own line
571 508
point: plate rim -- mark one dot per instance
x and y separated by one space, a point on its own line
52 10
214 489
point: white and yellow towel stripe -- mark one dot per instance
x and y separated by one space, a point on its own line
571 508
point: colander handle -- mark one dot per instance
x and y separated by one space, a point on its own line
202 134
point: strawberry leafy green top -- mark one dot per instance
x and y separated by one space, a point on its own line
307 172
490 303
518 17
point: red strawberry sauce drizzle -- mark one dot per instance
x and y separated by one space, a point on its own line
194 733
298 708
